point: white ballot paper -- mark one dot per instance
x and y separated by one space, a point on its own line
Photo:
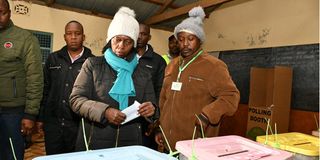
131 112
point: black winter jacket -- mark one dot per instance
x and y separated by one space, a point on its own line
59 76
90 99
156 65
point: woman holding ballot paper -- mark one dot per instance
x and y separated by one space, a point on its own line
107 85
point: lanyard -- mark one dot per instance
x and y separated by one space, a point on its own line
181 69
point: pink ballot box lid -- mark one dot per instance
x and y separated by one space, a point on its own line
120 153
229 148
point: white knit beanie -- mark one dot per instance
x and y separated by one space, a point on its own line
193 24
124 23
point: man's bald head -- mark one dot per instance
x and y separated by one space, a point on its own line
5 4
76 22
5 14
144 35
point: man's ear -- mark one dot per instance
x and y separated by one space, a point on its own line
9 13
149 37
84 37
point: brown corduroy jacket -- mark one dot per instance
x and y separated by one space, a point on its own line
206 88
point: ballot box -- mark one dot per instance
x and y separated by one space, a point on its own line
228 148
303 146
120 153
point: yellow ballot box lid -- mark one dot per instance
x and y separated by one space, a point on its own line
294 142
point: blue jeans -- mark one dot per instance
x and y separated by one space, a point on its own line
10 126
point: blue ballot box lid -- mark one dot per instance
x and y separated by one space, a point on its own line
120 153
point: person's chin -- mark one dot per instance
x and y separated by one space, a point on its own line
74 48
121 55
140 45
186 54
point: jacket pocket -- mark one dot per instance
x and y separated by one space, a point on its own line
55 72
194 78
19 87
14 87
196 83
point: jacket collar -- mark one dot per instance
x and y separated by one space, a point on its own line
10 25
148 53
187 59
64 54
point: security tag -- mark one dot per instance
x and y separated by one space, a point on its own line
176 86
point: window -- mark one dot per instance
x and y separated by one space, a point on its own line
45 41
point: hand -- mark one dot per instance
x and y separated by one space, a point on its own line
26 126
203 120
159 139
146 109
152 127
114 116
39 127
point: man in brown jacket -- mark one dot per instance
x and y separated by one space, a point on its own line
194 84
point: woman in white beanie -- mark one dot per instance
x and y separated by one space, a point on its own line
107 85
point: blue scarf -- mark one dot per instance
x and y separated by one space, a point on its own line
123 86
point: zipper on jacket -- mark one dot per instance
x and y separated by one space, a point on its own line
195 78
117 136
14 84
91 133
139 138
174 94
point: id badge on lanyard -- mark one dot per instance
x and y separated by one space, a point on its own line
176 86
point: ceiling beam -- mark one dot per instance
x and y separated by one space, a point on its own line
50 2
163 28
166 4
160 2
181 11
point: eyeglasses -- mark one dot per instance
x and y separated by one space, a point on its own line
126 42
